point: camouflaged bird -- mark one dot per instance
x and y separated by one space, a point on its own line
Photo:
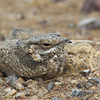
41 55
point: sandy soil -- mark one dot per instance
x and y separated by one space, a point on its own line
46 16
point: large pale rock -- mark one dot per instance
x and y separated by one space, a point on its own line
83 54
19 33
89 23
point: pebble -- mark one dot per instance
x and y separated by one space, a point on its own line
33 84
60 78
88 91
12 79
88 85
94 81
74 81
57 1
10 93
79 85
78 93
63 95
7 89
55 98
20 94
87 99
19 83
88 23
58 83
35 97
71 25
45 90
20 98
20 16
50 85
40 92
85 73
35 91
17 16
28 82
43 22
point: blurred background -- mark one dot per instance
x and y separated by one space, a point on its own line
74 19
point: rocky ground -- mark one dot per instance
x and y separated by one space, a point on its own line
42 16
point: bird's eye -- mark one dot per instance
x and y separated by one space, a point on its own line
46 44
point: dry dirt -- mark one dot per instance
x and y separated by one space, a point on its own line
43 16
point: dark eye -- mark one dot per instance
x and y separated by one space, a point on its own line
46 44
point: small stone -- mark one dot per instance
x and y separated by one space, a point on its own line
20 94
12 79
71 25
55 98
33 84
87 99
78 93
58 1
74 81
88 85
50 85
20 16
28 93
40 92
85 73
20 98
7 89
79 85
44 22
68 96
45 90
1 81
63 95
28 82
88 91
35 91
10 93
94 81
19 83
58 83
60 78
35 97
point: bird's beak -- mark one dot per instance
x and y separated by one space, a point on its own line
66 40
